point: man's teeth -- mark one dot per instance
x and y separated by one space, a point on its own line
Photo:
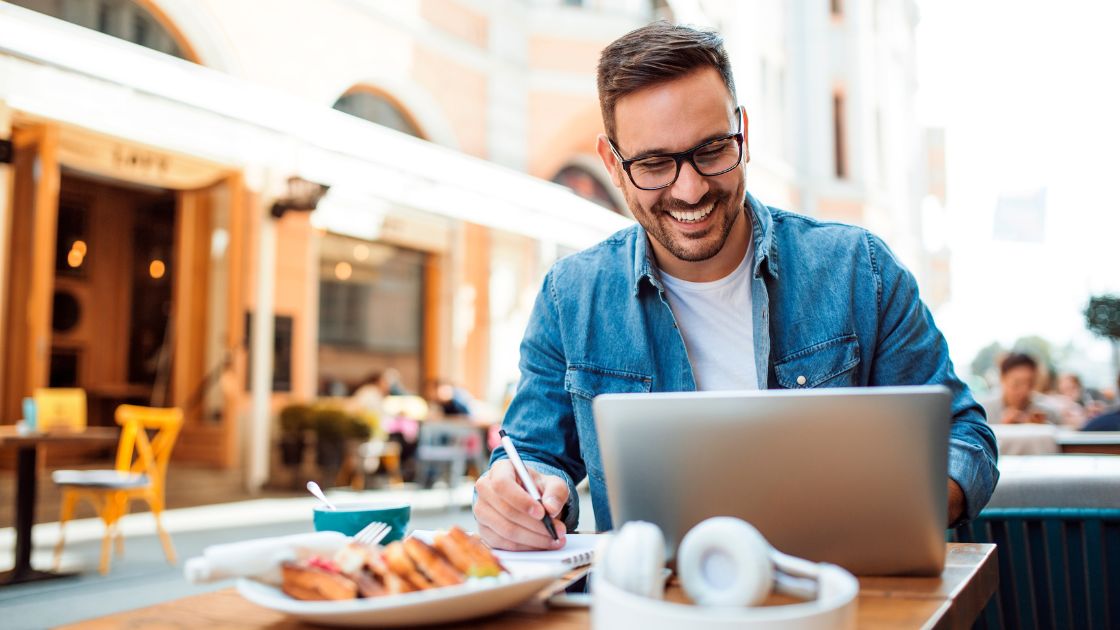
692 217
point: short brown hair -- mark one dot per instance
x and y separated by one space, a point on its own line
1015 360
653 54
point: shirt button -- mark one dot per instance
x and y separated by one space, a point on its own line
800 380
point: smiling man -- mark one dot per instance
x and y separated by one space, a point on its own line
712 290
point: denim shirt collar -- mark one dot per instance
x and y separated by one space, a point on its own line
761 233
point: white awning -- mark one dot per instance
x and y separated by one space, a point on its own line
59 71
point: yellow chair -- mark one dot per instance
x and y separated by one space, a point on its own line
60 408
140 473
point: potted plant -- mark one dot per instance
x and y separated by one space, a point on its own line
357 428
329 423
338 432
362 425
294 422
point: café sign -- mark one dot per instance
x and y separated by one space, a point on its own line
136 163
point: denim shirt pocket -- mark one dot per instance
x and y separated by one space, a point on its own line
584 382
829 363
588 381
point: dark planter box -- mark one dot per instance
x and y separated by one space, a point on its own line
291 450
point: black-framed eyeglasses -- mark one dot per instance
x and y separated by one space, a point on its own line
711 158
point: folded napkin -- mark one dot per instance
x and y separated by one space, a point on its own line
259 558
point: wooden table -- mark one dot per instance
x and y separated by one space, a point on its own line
1090 442
953 600
1046 439
27 469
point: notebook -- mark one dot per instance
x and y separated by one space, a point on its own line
579 550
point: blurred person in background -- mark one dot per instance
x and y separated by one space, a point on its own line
1070 409
1070 387
391 383
1044 381
1016 401
449 399
1108 421
369 395
453 405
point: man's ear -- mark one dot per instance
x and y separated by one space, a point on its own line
610 162
746 135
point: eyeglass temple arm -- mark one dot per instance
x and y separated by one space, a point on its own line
614 150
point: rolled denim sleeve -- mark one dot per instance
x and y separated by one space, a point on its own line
912 351
540 420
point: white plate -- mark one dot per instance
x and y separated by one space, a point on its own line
475 598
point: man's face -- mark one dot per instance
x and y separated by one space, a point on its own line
1017 384
691 219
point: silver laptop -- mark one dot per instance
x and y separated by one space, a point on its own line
856 477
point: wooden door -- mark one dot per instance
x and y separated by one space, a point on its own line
30 264
208 320
189 312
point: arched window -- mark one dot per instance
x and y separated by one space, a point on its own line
377 107
136 21
586 185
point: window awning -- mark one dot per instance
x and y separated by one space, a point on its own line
58 71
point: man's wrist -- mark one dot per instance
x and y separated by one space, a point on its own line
974 473
957 503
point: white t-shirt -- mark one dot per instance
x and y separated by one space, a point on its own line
716 322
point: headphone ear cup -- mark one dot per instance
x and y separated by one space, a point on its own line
635 559
725 561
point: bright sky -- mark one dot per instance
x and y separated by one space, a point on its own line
1027 92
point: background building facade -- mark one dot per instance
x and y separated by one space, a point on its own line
164 132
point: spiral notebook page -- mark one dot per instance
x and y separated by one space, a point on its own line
578 551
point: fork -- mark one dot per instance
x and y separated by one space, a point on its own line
373 533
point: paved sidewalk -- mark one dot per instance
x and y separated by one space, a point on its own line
228 515
187 486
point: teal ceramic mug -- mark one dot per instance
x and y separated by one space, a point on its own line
351 517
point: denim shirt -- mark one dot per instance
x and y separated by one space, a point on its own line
832 307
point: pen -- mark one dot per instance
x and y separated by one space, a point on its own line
526 480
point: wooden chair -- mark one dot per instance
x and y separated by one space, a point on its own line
451 444
140 473
375 455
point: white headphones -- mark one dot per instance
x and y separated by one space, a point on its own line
725 566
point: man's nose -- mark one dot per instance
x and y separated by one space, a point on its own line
690 186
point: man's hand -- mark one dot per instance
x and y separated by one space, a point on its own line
956 502
508 518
